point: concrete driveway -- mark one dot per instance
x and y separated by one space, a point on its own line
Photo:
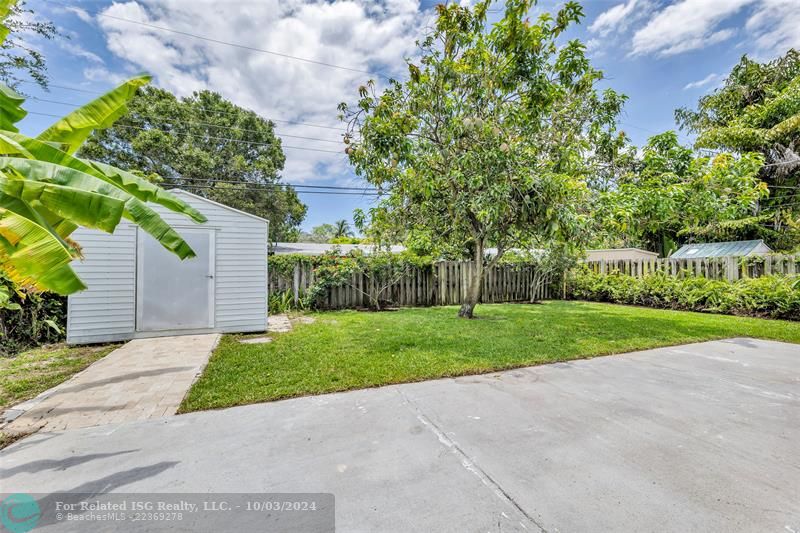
703 437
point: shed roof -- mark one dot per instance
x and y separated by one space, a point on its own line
229 208
721 249
634 250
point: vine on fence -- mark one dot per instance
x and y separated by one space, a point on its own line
380 270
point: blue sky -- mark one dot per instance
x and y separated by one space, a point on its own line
662 53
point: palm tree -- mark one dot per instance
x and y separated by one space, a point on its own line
46 193
342 229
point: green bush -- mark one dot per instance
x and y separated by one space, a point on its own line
766 296
29 320
281 302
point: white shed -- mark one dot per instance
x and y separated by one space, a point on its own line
139 289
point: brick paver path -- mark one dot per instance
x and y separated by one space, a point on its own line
145 378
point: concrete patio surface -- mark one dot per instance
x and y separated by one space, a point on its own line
145 378
700 437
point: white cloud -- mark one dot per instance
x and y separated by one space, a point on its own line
711 78
775 26
79 51
360 34
104 75
80 13
686 25
615 19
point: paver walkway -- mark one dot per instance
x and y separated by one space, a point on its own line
145 378
278 323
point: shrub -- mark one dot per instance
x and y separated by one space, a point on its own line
29 319
766 296
281 302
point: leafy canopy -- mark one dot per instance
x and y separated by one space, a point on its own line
18 57
486 143
758 110
674 195
206 145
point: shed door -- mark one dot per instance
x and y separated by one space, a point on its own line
172 294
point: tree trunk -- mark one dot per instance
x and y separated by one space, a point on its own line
536 283
475 285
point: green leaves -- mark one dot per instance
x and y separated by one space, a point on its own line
100 113
5 10
33 257
82 207
10 110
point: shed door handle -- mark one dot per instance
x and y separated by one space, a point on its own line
210 276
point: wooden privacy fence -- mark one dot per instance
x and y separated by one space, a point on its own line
727 268
443 283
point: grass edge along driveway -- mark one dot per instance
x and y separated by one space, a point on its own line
346 350
27 374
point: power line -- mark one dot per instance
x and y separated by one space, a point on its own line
227 43
293 185
257 187
240 141
211 124
213 111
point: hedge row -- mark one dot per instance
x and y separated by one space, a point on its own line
766 296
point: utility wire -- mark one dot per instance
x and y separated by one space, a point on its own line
227 43
257 187
213 137
293 185
212 111
200 123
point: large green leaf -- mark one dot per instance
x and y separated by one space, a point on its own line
32 257
130 183
79 206
5 10
134 210
40 217
11 111
101 112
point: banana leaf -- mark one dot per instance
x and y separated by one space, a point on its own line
134 210
11 111
130 183
72 130
79 206
5 10
32 257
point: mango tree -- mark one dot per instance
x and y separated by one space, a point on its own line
486 143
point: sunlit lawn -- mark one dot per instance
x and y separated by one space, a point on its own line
351 349
25 375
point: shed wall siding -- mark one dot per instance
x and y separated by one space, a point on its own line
109 270
106 311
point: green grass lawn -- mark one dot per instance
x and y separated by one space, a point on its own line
351 349
27 374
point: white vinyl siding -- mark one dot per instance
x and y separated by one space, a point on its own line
106 311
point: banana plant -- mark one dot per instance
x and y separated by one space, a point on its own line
46 192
